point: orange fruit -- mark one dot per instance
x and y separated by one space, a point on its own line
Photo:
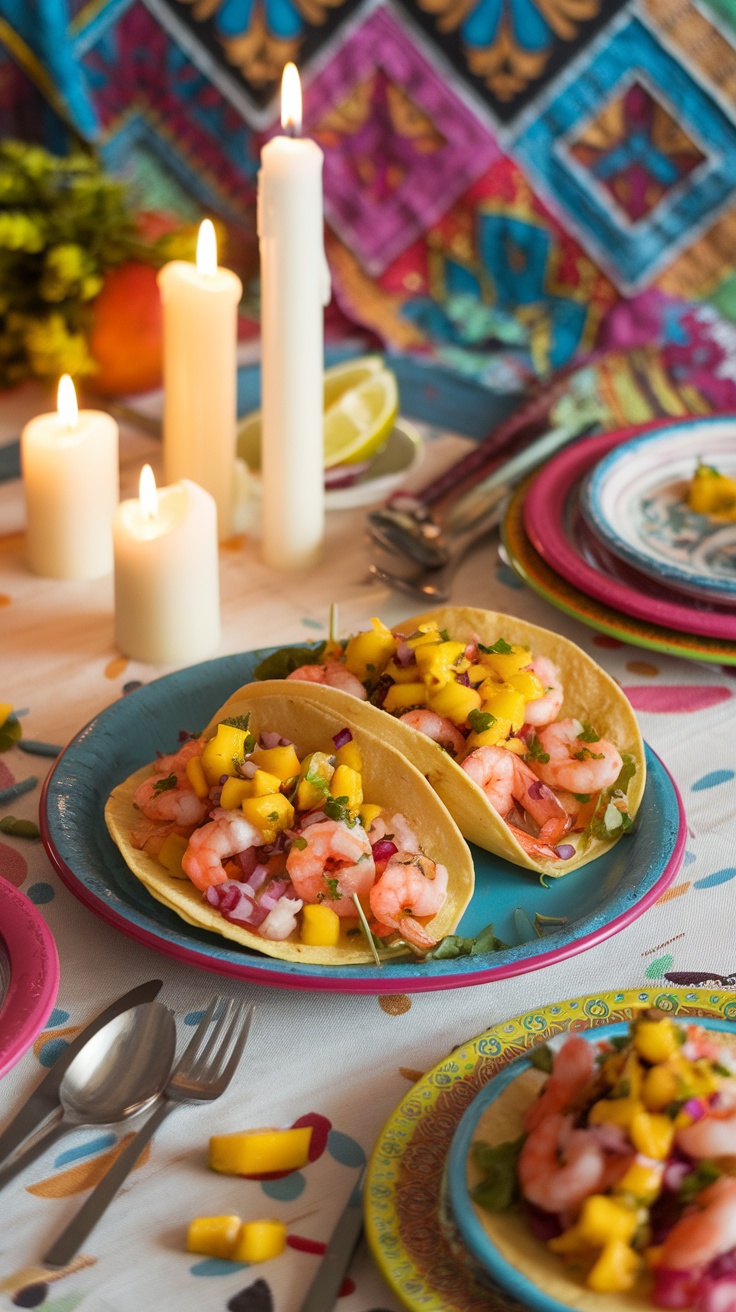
126 339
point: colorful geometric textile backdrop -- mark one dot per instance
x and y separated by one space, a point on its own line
499 174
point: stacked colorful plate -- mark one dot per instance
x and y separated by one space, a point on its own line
604 533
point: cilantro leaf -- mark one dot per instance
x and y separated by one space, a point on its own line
287 659
164 785
588 735
628 770
336 808
500 648
479 721
237 721
542 1057
332 890
705 1173
499 1189
535 753
456 945
299 843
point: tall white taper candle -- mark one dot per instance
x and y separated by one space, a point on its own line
294 290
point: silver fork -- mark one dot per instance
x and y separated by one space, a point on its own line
203 1073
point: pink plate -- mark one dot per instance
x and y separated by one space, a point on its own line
558 533
28 949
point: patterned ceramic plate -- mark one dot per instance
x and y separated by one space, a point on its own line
404 1182
592 902
559 533
29 974
537 574
634 502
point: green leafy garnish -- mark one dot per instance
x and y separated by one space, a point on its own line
479 721
582 797
336 808
611 823
627 772
718 1069
287 659
10 733
705 1173
500 648
585 754
499 1189
273 815
534 751
317 781
19 828
164 785
588 735
456 945
237 722
542 1058
544 923
299 843
332 889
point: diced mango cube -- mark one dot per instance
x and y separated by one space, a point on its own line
641 1180
570 1241
494 735
259 1241
314 781
504 663
478 674
454 701
440 662
426 633
367 653
616 1269
6 709
255 1152
233 793
320 926
223 753
368 813
656 1040
506 704
283 762
660 1087
347 783
652 1134
350 754
603 1219
214 1236
269 814
527 683
172 850
196 776
515 745
401 673
615 1111
402 696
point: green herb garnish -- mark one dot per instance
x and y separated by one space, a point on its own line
237 721
332 889
499 1189
500 648
627 772
585 754
542 1058
299 843
479 721
164 785
534 751
287 659
456 945
705 1173
336 808
588 735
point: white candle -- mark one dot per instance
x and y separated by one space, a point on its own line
167 592
200 373
294 289
70 478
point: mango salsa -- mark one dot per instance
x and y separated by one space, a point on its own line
320 926
223 753
270 814
259 1241
283 762
367 653
213 1236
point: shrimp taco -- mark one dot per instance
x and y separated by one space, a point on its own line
279 828
533 748
609 1184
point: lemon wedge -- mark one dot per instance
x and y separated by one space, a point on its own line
361 402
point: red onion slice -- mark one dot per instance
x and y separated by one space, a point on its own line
565 851
384 849
404 655
341 738
269 740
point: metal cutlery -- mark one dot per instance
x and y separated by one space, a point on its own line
203 1073
324 1290
120 1071
45 1098
434 584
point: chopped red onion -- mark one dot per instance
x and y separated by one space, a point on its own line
273 893
269 740
247 861
247 769
258 877
463 679
404 655
694 1108
672 1289
543 1225
716 1295
384 849
612 1138
281 919
313 818
674 1174
223 779
342 737
723 1265
565 851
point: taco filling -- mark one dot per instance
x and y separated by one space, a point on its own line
495 708
283 844
624 1166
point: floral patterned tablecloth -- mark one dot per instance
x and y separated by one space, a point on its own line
343 1062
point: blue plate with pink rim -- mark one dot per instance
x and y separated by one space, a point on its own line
592 903
462 1218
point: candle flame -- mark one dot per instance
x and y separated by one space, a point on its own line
207 249
147 493
291 100
66 402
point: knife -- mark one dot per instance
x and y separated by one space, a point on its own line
325 1287
45 1098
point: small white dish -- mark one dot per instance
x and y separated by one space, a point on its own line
634 503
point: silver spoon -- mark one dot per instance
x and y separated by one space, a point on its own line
122 1069
434 584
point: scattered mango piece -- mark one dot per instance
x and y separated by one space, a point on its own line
213 1236
255 1152
259 1241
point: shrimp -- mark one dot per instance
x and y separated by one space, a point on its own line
225 834
559 1167
438 728
701 1235
178 804
330 864
575 765
506 779
713 1135
334 675
176 761
545 709
410 886
396 828
572 1067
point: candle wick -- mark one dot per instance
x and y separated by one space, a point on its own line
291 130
